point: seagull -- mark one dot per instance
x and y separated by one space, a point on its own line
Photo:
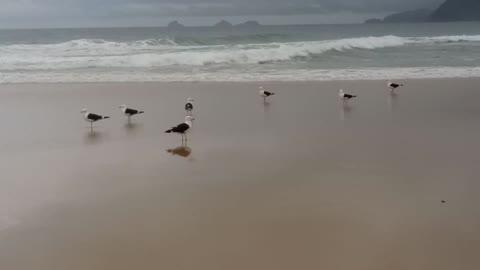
129 112
345 97
393 86
264 93
189 106
91 117
182 128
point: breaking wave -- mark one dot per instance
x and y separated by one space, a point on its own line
88 53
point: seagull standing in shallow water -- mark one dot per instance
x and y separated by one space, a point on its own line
182 128
129 112
91 117
264 93
393 86
189 106
345 97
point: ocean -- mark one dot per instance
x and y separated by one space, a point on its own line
266 53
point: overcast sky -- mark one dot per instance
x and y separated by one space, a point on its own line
88 13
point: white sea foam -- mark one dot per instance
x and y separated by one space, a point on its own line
285 75
450 39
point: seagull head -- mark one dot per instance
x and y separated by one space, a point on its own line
190 100
189 118
84 111
341 91
122 106
260 88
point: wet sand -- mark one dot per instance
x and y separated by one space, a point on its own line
299 183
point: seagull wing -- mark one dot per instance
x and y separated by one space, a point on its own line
94 117
181 128
267 93
131 111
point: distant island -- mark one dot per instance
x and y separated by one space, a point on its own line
449 11
249 24
175 25
223 24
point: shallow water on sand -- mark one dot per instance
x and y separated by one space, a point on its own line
300 182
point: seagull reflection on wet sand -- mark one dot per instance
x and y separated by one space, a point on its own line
392 101
182 151
345 112
93 137
133 128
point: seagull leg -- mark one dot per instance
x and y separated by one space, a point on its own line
91 126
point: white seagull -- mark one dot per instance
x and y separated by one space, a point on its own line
264 93
345 97
91 117
129 112
182 128
393 86
189 106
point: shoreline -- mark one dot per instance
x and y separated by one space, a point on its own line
242 82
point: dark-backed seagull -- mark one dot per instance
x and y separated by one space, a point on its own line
264 93
189 106
393 86
91 117
129 112
182 128
345 97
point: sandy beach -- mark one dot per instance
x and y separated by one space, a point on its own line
298 183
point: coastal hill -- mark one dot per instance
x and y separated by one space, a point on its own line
457 10
449 11
411 16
